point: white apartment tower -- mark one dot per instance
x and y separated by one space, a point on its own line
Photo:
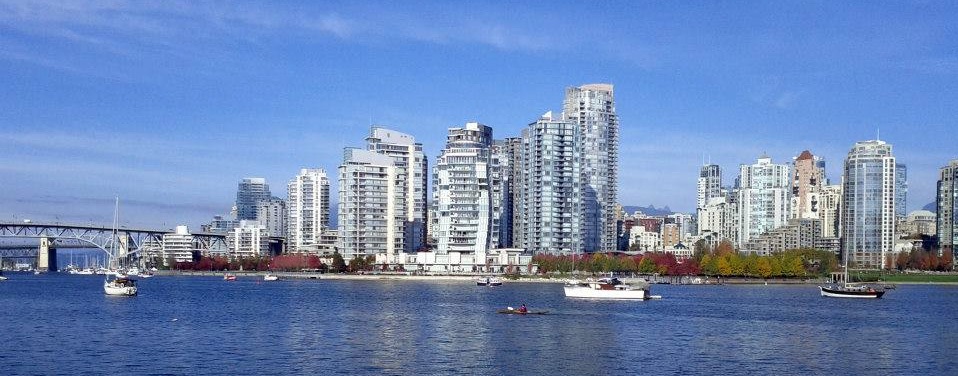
551 196
709 184
462 192
868 204
308 209
411 176
592 109
371 216
831 215
763 198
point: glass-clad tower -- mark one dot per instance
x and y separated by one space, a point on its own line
552 187
592 109
868 204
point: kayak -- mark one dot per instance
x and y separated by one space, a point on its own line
516 312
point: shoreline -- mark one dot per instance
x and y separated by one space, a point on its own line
470 278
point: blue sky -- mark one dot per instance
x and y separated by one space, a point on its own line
169 104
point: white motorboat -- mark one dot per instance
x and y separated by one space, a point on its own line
87 271
607 288
270 277
488 281
119 287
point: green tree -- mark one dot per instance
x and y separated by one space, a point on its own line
795 267
723 266
647 266
339 264
751 265
737 263
775 265
701 248
708 265
763 268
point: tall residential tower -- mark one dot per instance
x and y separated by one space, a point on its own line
947 216
462 193
308 209
592 109
411 177
868 204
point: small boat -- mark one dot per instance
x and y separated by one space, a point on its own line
2 277
510 311
488 281
146 275
119 287
607 288
270 277
229 277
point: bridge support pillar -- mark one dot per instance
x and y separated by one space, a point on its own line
46 256
122 247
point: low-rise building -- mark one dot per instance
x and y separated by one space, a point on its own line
178 246
249 239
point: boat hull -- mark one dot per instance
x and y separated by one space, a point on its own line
839 293
584 292
119 290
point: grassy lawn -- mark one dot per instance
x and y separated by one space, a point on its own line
874 276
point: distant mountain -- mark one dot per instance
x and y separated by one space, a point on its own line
932 207
648 210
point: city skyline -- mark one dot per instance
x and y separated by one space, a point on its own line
174 143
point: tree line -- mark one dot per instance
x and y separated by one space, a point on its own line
720 261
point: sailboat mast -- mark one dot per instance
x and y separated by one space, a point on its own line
116 214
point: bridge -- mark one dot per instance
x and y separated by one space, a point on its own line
125 241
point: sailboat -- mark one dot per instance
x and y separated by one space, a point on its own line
118 285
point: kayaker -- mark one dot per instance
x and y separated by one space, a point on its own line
523 309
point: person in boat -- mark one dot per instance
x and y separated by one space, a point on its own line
523 309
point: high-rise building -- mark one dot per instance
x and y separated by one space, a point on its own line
947 214
763 198
507 155
371 219
412 173
592 108
808 178
271 213
308 209
551 196
462 192
709 185
249 192
901 190
868 204
831 214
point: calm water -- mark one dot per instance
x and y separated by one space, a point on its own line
62 324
